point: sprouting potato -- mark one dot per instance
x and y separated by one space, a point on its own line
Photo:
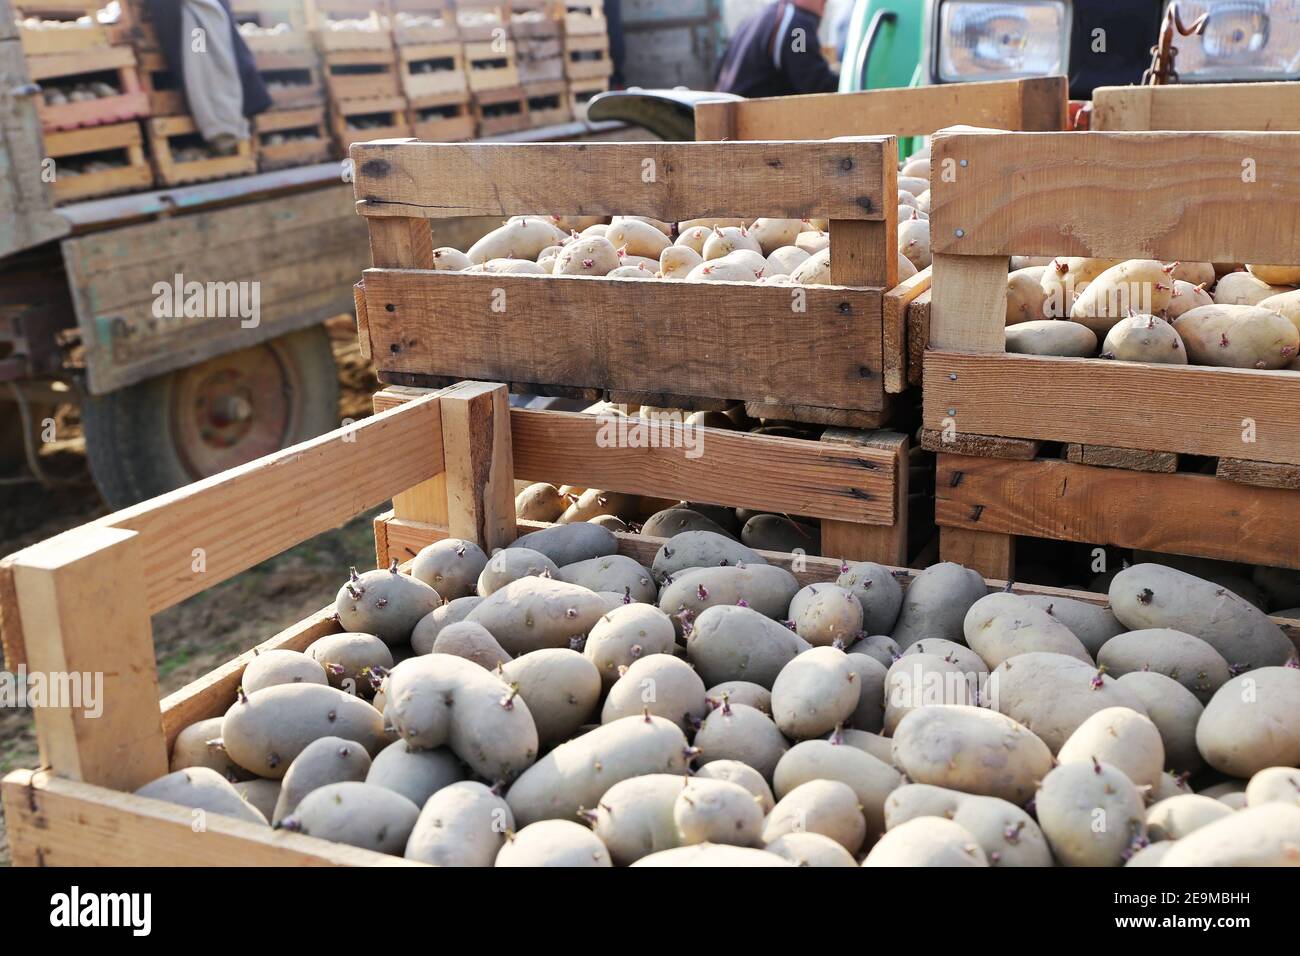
1144 338
1238 336
1137 285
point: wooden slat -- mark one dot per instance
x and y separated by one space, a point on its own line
736 341
427 500
1210 197
26 216
1039 103
918 336
1124 404
858 541
968 303
1134 459
1265 474
669 181
1197 106
251 513
981 446
737 469
992 555
54 822
1175 514
85 621
480 466
896 346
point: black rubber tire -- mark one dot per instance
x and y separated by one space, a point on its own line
129 433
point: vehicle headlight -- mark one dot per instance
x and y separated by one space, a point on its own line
1002 41
1242 40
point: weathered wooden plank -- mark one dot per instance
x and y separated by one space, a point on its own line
739 341
1175 514
896 346
1197 106
1134 459
1265 474
55 822
1219 412
1034 104
980 446
26 215
669 181
918 336
1204 196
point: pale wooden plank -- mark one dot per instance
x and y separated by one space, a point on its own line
1171 513
895 341
918 336
1096 402
917 111
476 438
992 555
54 822
858 541
734 341
669 181
968 303
425 500
84 617
401 243
1119 195
1197 106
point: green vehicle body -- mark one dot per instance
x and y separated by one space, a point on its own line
896 52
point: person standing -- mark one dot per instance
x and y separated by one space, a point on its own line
776 53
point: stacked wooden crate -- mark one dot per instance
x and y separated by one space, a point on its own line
294 131
431 63
355 41
538 34
492 66
90 98
587 64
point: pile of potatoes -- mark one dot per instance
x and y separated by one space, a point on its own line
560 704
1142 310
766 251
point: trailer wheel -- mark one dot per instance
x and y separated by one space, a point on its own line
149 438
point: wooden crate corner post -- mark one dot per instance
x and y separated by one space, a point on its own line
480 464
85 618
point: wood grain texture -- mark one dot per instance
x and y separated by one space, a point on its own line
1265 474
981 446
968 303
26 216
1208 197
476 437
718 339
669 181
992 555
1197 106
1039 103
709 465
1134 459
918 336
896 344
858 541
251 513
1096 402
1178 514
86 625
54 822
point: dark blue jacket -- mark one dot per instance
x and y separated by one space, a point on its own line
776 53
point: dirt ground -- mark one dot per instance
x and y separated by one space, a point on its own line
210 628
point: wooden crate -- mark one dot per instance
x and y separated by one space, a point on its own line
548 103
586 56
361 74
442 119
118 63
482 21
1035 104
390 112
539 51
581 93
376 35
82 602
310 140
293 80
444 29
38 41
166 98
1115 195
270 13
164 131
812 354
585 17
292 41
491 65
445 66
497 112
76 146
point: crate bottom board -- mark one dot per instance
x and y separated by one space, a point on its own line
92 185
1172 513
